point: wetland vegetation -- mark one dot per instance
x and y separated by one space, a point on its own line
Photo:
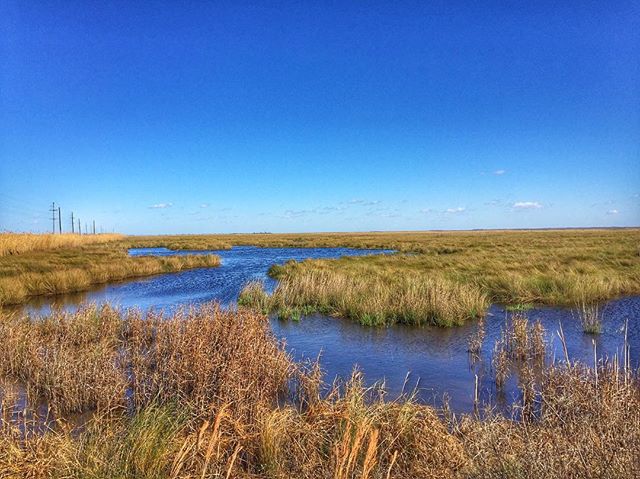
440 278
34 265
211 393
445 278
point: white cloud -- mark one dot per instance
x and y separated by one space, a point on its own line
453 211
204 205
527 205
364 202
296 213
499 172
160 206
613 212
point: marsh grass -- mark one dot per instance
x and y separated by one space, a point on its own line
590 317
476 339
254 295
178 242
517 268
130 360
68 269
20 243
409 299
521 346
211 397
467 271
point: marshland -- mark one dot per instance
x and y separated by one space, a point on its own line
319 240
378 355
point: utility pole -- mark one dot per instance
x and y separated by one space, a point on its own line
79 228
94 226
72 225
59 221
53 217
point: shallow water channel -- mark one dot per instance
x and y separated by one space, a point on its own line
433 361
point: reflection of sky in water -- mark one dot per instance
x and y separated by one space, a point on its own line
240 264
435 359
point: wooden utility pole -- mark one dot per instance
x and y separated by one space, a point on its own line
72 225
59 221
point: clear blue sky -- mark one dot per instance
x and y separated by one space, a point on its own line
168 117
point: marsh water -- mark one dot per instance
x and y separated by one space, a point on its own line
433 362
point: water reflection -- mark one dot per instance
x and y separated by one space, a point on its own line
435 360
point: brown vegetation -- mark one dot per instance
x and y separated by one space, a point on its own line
74 267
372 301
208 393
20 243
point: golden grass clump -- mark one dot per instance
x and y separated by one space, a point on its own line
476 339
409 299
20 243
590 316
198 356
521 344
203 355
254 295
57 357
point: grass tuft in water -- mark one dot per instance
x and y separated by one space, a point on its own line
590 317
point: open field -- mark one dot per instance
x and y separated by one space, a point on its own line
62 266
207 393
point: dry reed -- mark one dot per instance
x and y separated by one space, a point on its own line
208 398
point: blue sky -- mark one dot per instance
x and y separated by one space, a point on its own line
169 117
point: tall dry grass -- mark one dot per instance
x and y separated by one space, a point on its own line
197 356
20 243
409 299
211 393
